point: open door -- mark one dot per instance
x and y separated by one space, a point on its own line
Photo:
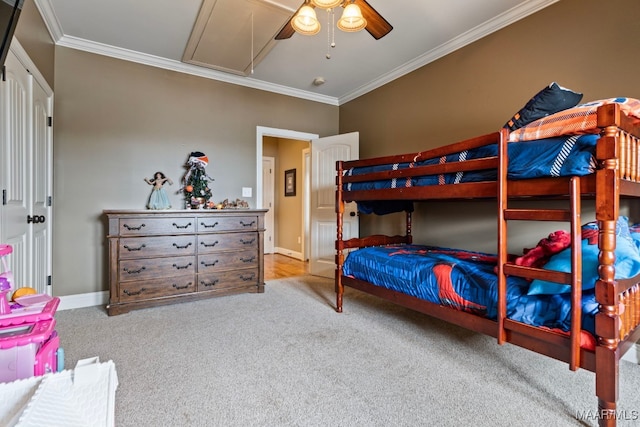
324 154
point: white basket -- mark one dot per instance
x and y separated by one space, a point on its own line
83 397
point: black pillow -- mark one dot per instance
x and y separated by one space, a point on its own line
549 100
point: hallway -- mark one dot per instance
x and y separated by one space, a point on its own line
277 266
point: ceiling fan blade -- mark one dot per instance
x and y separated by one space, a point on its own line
286 31
377 26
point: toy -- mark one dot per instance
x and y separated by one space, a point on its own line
29 345
158 198
20 292
538 256
4 303
5 280
196 182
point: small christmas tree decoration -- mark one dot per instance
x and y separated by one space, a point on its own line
196 181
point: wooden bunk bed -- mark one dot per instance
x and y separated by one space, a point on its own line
617 301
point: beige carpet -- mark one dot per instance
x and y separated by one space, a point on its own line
286 358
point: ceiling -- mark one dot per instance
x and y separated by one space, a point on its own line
158 33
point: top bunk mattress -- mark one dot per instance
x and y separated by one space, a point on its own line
551 157
561 141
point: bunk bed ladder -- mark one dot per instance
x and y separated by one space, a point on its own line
570 215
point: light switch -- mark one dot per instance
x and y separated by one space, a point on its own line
246 191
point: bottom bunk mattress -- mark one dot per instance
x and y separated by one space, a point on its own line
463 280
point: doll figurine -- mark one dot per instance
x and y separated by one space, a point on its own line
158 198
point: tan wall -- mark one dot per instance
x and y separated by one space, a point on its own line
118 122
476 89
34 37
289 209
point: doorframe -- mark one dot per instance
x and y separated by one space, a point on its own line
269 220
306 202
261 132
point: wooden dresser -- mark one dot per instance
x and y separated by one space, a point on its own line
164 257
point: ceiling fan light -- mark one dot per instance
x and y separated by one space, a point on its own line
306 21
352 19
327 4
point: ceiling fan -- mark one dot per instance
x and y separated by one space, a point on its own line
354 20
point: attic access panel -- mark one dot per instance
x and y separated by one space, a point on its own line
222 35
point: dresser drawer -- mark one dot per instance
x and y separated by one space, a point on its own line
145 289
152 268
146 247
227 223
224 242
142 226
227 261
227 279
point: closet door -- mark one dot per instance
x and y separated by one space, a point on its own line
41 178
16 168
26 176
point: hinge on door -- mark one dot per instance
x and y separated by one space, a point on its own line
4 197
50 121
49 200
49 280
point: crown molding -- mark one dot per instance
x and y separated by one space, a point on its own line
55 30
495 24
181 67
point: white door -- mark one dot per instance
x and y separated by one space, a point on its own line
16 168
324 154
268 194
41 190
26 176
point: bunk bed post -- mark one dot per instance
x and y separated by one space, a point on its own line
503 154
607 320
576 273
339 243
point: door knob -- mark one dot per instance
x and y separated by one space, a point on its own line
36 219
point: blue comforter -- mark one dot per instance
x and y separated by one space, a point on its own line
464 280
562 156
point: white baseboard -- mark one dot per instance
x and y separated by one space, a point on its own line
288 252
83 300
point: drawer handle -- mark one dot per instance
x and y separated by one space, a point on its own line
181 226
182 247
213 283
248 259
134 293
247 242
211 264
209 226
247 224
252 276
210 245
130 249
182 287
129 227
134 271
182 267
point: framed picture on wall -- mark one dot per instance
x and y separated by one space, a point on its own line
290 182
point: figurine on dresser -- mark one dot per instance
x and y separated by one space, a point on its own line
158 198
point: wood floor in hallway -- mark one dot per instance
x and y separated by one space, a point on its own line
277 266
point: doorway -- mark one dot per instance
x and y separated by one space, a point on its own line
302 175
